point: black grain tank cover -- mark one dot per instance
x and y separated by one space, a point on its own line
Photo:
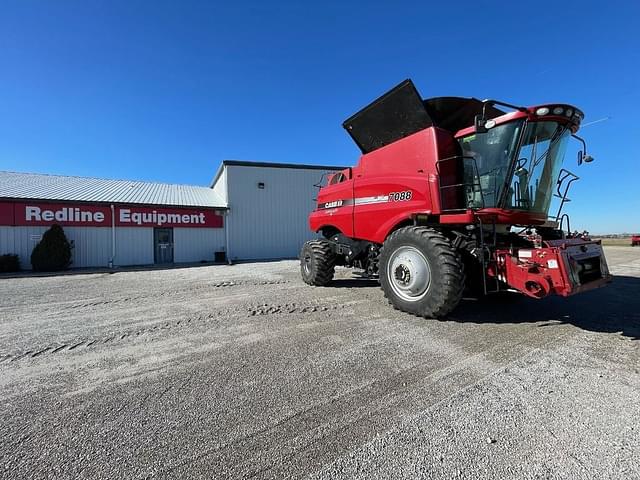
397 114
401 112
456 113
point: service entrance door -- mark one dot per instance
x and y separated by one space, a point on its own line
163 241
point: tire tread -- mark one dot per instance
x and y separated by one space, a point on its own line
450 285
323 267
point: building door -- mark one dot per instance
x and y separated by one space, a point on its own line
163 241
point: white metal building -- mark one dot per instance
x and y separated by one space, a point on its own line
253 211
268 206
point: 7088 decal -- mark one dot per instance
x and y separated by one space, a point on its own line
400 196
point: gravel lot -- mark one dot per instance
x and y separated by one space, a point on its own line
245 372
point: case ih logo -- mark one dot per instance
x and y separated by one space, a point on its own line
26 214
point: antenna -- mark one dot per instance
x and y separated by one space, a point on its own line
604 119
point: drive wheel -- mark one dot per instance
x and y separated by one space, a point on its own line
421 273
317 262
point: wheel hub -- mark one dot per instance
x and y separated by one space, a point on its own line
403 274
306 264
409 273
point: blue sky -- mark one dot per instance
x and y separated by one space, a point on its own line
166 90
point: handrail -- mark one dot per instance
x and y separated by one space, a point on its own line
562 176
566 215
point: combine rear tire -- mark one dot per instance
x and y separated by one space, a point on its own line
421 273
317 262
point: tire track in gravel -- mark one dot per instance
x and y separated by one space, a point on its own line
225 284
266 309
191 288
288 308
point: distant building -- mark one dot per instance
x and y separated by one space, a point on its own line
253 211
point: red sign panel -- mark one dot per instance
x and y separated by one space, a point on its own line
77 215
166 217
6 214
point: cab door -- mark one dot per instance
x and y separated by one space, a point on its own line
335 202
371 204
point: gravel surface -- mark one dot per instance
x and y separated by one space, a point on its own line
245 372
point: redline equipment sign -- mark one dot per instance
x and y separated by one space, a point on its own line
74 215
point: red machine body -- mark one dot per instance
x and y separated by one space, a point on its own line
635 240
422 178
367 202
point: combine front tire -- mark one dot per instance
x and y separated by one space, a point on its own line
421 273
317 262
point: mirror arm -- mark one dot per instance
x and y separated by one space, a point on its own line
582 154
479 124
581 140
498 102
480 120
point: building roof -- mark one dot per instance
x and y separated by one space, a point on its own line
36 186
246 163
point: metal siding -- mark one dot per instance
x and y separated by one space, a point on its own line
270 223
220 187
17 240
91 246
196 244
134 246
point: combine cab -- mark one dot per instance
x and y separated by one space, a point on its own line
453 193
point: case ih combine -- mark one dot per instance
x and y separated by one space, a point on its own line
453 193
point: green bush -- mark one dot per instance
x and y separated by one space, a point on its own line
9 263
53 252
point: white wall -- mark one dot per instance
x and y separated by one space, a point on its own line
220 187
92 245
273 222
20 241
196 244
134 246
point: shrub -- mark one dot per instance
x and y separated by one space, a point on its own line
9 263
53 252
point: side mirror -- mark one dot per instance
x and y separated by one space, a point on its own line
583 157
479 124
582 154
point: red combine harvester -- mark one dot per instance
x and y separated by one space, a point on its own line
451 193
635 240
